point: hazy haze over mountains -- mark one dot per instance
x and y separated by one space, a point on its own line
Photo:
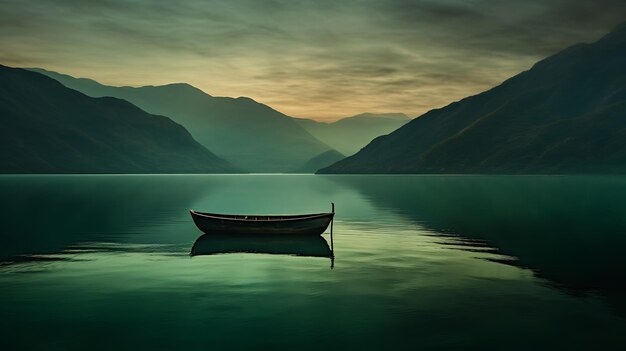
348 135
322 160
48 128
251 135
565 115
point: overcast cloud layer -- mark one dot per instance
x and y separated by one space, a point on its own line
321 59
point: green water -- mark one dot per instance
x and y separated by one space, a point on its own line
422 262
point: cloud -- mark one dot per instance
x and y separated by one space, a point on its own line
306 58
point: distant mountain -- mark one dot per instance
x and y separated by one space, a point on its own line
48 128
322 160
251 135
350 134
567 114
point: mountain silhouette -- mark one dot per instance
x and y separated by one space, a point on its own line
567 114
249 134
49 128
322 160
348 135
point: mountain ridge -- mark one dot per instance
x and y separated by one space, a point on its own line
251 135
322 160
349 134
560 116
49 128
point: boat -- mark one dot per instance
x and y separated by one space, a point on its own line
303 224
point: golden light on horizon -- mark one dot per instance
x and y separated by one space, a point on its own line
321 60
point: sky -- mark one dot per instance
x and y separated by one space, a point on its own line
318 59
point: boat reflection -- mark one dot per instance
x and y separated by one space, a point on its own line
302 245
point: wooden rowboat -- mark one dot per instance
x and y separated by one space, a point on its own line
304 224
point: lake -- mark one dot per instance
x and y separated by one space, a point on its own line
446 262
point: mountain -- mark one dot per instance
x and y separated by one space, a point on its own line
350 134
567 114
48 128
251 135
322 160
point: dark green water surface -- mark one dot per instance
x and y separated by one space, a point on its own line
422 262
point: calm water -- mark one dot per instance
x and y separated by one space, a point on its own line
102 262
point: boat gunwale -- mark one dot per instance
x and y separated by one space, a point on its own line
271 218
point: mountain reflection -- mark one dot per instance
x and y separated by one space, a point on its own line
569 230
46 214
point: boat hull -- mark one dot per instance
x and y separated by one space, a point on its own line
314 224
